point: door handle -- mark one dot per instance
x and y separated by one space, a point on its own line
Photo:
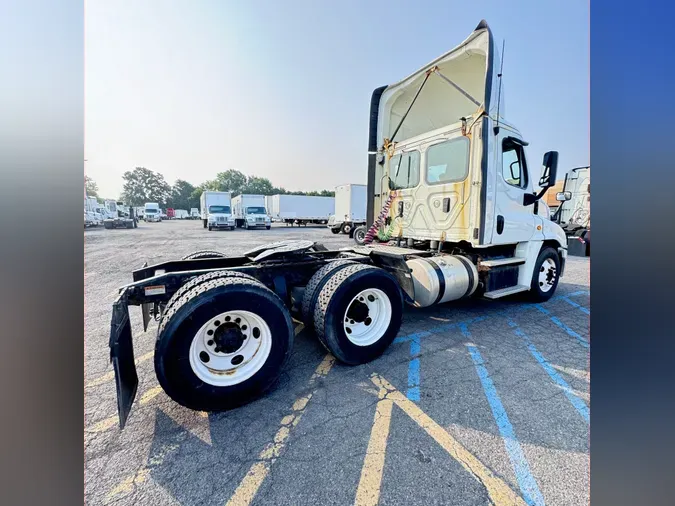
400 209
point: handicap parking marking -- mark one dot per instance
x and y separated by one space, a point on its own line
526 482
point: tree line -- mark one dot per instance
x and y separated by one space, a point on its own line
143 185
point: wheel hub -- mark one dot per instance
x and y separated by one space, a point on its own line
367 317
228 338
358 311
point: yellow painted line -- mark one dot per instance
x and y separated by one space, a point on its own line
250 484
299 328
111 421
109 376
128 484
368 492
500 493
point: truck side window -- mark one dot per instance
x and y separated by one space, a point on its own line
404 169
448 161
514 169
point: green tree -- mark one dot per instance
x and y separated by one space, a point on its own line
181 196
142 185
90 187
258 186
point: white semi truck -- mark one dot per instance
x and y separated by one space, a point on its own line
194 213
152 212
350 208
448 184
300 209
250 211
217 210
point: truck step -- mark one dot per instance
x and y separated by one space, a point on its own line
503 292
503 261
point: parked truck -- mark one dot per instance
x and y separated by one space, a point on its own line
118 215
459 226
217 210
250 211
300 209
152 212
194 213
350 208
574 212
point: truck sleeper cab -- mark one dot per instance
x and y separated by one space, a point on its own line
455 204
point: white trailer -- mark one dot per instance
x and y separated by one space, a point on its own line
250 211
300 209
181 214
216 209
350 208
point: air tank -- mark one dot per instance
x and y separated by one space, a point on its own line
442 278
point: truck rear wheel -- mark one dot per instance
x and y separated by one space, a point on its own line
335 230
206 253
316 283
358 313
545 276
222 344
107 224
205 223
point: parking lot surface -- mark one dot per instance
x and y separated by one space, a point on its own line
477 402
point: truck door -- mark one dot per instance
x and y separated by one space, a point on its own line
513 222
434 189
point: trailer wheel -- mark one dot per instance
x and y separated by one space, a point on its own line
316 283
206 253
223 344
335 230
358 313
268 227
130 224
360 234
346 228
108 225
545 276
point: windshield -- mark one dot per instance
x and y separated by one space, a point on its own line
255 210
219 209
151 211
404 170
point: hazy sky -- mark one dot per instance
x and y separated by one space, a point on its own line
281 89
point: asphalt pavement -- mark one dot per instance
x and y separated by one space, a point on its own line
476 402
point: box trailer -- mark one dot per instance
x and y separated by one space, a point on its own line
350 208
300 209
216 209
250 211
472 230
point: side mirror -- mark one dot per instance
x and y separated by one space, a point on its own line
563 196
391 184
550 163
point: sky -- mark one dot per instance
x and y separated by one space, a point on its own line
190 88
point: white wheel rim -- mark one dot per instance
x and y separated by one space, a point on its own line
547 275
243 340
367 317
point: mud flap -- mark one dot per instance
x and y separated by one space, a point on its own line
122 358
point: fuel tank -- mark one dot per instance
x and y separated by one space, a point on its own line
442 278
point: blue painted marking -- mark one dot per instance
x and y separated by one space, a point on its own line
570 332
560 324
574 294
528 485
578 306
414 370
576 401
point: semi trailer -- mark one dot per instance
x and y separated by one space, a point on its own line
449 188
350 208
300 209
